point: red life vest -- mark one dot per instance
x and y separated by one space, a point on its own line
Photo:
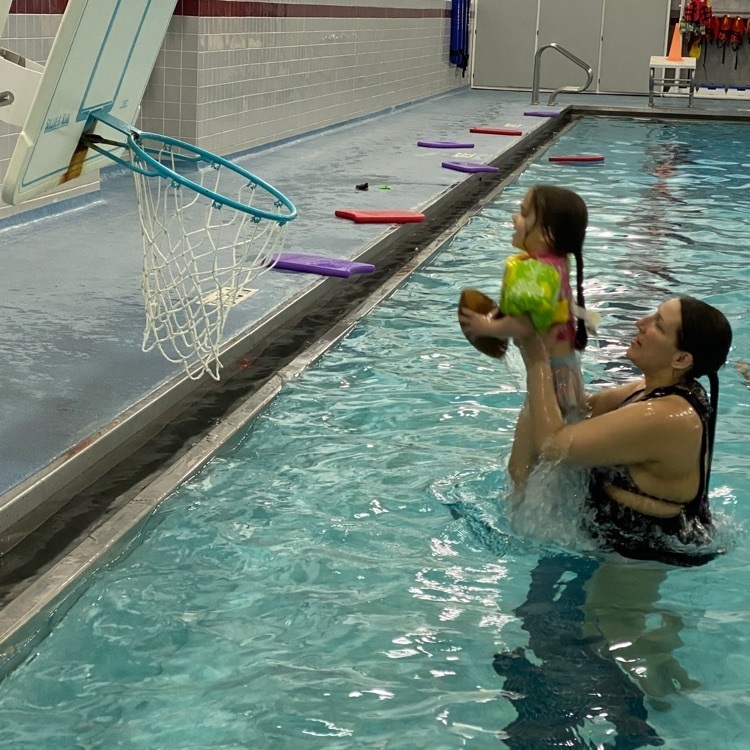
696 21
725 29
696 17
737 34
705 14
712 29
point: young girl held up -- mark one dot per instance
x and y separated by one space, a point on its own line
549 227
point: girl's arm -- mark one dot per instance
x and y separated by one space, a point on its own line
476 325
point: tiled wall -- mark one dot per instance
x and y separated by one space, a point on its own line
232 74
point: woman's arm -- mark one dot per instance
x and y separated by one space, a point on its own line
610 399
660 432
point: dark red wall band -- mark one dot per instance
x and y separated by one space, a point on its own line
243 9
224 8
50 7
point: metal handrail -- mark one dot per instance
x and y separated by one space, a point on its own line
572 58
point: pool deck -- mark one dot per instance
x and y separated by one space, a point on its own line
78 393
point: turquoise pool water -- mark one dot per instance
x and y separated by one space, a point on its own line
310 588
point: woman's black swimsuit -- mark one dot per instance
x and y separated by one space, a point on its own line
685 539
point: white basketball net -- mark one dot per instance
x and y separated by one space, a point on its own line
198 260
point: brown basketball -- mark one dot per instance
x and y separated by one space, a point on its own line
481 303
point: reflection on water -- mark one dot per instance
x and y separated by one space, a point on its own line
567 688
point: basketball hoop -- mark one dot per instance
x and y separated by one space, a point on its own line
203 241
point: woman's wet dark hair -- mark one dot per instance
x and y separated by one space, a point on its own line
706 334
562 215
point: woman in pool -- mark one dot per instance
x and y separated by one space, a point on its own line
649 443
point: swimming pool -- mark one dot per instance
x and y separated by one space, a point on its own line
311 588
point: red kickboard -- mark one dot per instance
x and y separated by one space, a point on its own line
577 158
496 131
384 216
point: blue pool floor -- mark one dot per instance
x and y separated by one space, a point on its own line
72 363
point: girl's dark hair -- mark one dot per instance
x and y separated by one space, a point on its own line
706 334
562 215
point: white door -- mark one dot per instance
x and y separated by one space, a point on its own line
504 43
575 25
634 30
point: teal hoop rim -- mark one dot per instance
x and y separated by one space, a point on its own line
158 169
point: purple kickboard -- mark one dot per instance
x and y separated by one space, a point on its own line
323 266
469 166
445 144
542 113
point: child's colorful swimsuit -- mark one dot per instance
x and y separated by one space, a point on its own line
566 371
561 264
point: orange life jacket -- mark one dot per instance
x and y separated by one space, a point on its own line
725 29
712 29
737 34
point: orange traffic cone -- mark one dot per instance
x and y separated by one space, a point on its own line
675 49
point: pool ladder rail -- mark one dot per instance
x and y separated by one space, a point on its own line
570 56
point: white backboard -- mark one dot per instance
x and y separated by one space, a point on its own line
4 12
101 60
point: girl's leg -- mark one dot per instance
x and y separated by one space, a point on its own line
522 454
571 398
